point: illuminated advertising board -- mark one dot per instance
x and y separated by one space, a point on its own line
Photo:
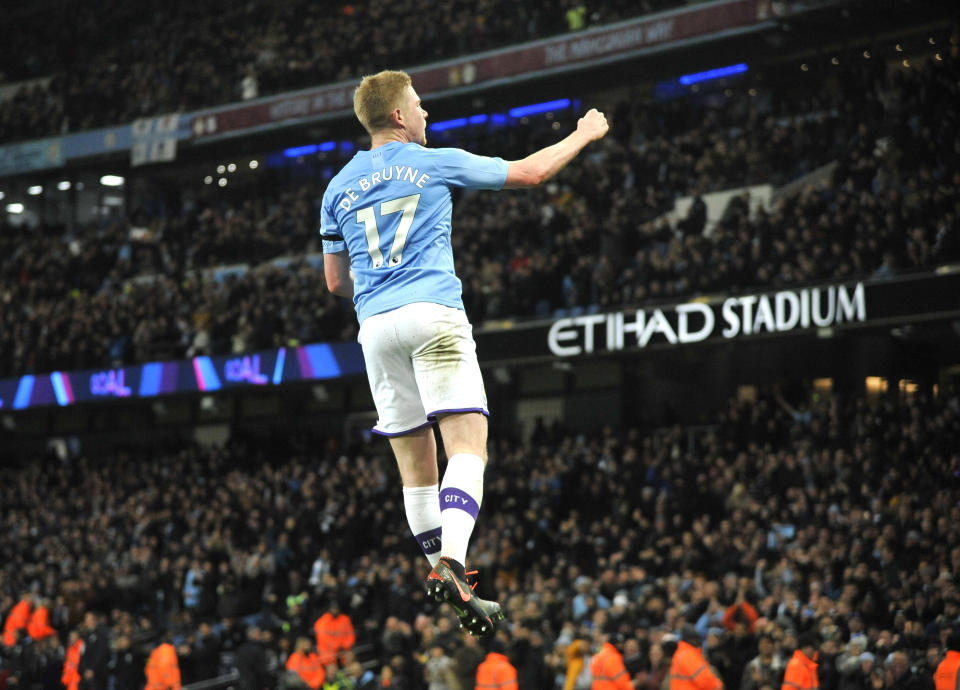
318 361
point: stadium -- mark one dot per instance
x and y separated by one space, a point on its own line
720 346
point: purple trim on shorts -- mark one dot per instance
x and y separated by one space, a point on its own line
429 541
451 497
391 434
433 415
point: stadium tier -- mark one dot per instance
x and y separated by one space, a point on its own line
803 511
98 67
146 285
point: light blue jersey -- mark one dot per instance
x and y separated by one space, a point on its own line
390 208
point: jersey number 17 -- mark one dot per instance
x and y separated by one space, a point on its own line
407 207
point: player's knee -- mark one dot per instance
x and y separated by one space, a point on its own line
464 432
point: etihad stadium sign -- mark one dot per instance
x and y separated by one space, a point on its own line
694 322
823 310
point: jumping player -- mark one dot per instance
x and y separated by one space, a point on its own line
386 240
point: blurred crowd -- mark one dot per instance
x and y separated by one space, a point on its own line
112 62
833 517
596 237
163 317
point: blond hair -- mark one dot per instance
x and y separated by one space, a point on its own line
377 97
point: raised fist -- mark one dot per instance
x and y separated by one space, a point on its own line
593 124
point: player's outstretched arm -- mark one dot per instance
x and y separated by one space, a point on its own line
541 166
336 271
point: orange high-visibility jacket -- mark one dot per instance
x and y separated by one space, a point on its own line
17 620
308 667
947 675
334 634
608 671
163 671
39 625
497 673
71 665
690 671
801 673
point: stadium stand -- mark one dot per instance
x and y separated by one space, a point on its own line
599 236
804 512
223 52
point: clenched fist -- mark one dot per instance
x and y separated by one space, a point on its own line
593 124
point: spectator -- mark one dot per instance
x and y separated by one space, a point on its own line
335 633
948 671
607 671
766 668
71 666
655 671
899 674
467 658
578 674
337 679
252 663
688 668
801 671
96 653
304 669
439 670
38 627
386 679
17 620
163 669
125 665
496 671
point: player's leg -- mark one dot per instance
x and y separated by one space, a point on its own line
402 419
416 455
461 493
451 388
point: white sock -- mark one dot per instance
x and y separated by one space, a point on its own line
460 496
422 505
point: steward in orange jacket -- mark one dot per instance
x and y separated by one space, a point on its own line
163 671
608 671
496 672
71 665
334 634
801 672
16 620
38 627
306 665
690 671
947 675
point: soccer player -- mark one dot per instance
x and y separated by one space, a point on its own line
385 225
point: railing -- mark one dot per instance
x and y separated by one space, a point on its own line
224 681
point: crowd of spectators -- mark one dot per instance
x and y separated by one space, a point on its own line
95 297
834 517
596 237
110 63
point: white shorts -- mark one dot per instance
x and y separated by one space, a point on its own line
421 361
